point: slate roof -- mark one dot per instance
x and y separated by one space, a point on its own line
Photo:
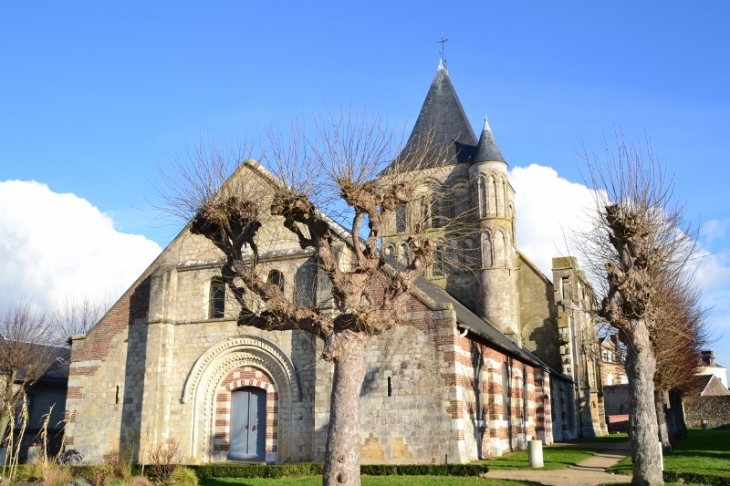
443 118
487 149
482 328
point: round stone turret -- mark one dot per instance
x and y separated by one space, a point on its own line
495 205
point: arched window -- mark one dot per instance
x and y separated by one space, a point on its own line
431 211
217 298
524 397
511 217
487 251
506 392
492 184
400 218
276 278
438 267
500 188
499 250
402 256
482 194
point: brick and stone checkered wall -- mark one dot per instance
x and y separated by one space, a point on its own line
488 424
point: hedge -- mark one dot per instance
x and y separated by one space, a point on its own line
276 471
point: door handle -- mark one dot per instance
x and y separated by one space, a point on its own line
253 428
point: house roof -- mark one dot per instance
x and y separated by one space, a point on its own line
442 122
700 384
58 358
482 328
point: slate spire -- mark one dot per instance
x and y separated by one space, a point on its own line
487 149
443 115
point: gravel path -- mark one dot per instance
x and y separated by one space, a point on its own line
590 472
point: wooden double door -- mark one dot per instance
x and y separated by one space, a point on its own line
248 425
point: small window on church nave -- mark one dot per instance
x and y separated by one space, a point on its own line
276 278
217 298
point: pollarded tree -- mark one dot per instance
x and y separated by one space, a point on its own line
335 168
639 241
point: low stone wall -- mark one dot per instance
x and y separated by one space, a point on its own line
715 411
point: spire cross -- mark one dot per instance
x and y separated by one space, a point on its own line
443 42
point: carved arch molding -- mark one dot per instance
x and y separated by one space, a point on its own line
215 364
240 350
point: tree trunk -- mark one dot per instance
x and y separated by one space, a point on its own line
661 417
342 457
640 368
679 427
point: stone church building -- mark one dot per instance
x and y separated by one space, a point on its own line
493 354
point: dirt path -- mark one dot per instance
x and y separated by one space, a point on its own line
590 472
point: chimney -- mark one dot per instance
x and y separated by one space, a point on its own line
708 357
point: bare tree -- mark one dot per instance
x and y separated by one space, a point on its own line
639 242
72 316
25 355
335 168
679 334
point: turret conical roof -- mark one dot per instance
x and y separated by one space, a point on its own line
487 149
442 119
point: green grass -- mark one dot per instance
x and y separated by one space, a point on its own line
702 453
553 458
368 481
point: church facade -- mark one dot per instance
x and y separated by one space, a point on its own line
493 353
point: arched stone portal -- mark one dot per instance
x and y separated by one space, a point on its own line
232 363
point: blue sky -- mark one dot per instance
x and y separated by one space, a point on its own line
96 97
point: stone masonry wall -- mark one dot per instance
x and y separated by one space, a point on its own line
537 314
104 388
715 411
408 392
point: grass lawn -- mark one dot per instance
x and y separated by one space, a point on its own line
368 481
702 452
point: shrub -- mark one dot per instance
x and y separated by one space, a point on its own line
184 476
139 481
55 475
97 475
164 459
120 464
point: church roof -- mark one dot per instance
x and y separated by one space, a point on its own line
487 149
443 119
483 329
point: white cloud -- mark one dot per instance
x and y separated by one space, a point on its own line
550 210
713 271
714 229
58 246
